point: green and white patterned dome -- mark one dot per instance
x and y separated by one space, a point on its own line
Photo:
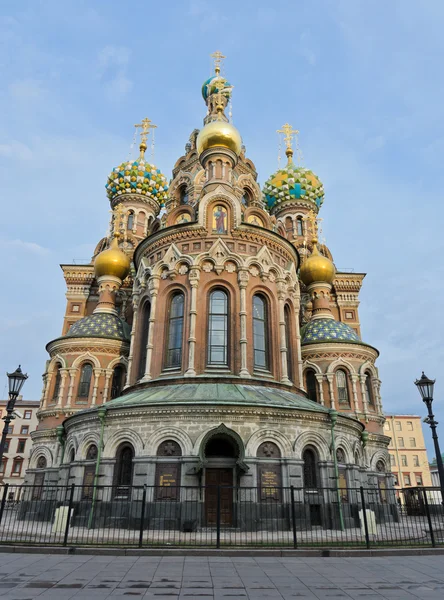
292 183
137 177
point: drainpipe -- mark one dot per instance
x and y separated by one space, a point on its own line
101 413
62 439
333 418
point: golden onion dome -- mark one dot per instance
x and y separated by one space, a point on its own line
112 262
219 133
317 268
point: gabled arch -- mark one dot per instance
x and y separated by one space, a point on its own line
169 433
342 442
119 437
86 357
58 358
315 439
338 363
203 439
268 435
41 451
308 364
368 366
213 197
92 437
119 360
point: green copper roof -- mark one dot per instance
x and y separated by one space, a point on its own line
101 325
216 393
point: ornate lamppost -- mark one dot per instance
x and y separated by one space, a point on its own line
425 387
16 381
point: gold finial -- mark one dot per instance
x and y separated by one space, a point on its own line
289 133
219 84
145 125
314 221
218 58
119 214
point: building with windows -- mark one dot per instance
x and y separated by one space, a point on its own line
18 443
211 339
408 453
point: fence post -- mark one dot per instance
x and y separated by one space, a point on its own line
293 517
218 518
142 516
68 518
2 507
427 509
364 516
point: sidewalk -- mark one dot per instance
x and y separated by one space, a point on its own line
61 577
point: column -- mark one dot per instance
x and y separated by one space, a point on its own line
297 306
108 375
320 380
97 373
243 278
47 389
376 388
153 286
363 394
194 282
72 375
354 379
331 389
282 333
63 375
133 335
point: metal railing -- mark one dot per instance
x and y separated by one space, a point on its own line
220 516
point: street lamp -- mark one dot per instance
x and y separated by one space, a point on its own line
425 387
16 381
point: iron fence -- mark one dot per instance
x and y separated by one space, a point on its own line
220 516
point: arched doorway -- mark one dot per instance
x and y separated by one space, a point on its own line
221 453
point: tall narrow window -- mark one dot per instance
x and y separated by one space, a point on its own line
299 227
310 469
118 381
312 385
184 198
144 330
341 386
57 382
218 328
130 221
175 332
123 473
260 333
368 389
288 342
85 381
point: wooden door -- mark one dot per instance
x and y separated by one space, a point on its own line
219 479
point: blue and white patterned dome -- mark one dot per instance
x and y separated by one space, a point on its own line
328 330
101 325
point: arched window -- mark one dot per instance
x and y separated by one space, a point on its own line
57 382
342 387
91 453
288 224
260 333
299 226
144 330
218 328
85 381
369 390
310 469
72 455
123 471
184 196
130 220
246 198
41 462
118 381
311 385
288 342
175 332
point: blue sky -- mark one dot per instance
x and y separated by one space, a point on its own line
362 81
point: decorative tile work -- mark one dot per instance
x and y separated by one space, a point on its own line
138 177
293 182
209 88
328 330
101 325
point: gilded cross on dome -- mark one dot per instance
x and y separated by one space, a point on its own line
218 58
314 221
288 133
145 125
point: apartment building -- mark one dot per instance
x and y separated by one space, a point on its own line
408 453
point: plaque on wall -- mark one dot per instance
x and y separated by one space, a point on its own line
38 486
269 479
167 481
88 482
343 492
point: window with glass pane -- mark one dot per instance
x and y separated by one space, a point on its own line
260 337
85 381
144 331
175 332
218 328
341 385
299 228
311 383
130 222
288 342
392 460
117 382
368 389
58 379
415 460
310 469
403 460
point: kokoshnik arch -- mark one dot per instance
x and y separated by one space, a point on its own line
211 339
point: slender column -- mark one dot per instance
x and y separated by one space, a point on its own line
378 401
194 282
133 335
282 333
97 374
297 306
72 375
354 379
330 377
48 389
63 375
42 401
108 374
363 394
320 379
243 278
153 285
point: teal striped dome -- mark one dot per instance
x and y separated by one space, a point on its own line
328 330
101 325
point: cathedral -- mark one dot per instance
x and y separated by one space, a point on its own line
211 341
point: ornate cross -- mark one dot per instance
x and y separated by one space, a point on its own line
314 221
145 125
288 132
268 449
218 58
169 449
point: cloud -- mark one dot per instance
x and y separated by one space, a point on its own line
26 89
113 63
27 246
16 150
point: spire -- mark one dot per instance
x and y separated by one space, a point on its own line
289 133
145 125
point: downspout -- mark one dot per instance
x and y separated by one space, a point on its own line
333 418
101 413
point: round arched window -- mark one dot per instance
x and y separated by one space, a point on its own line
41 462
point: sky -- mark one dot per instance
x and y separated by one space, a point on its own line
362 82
